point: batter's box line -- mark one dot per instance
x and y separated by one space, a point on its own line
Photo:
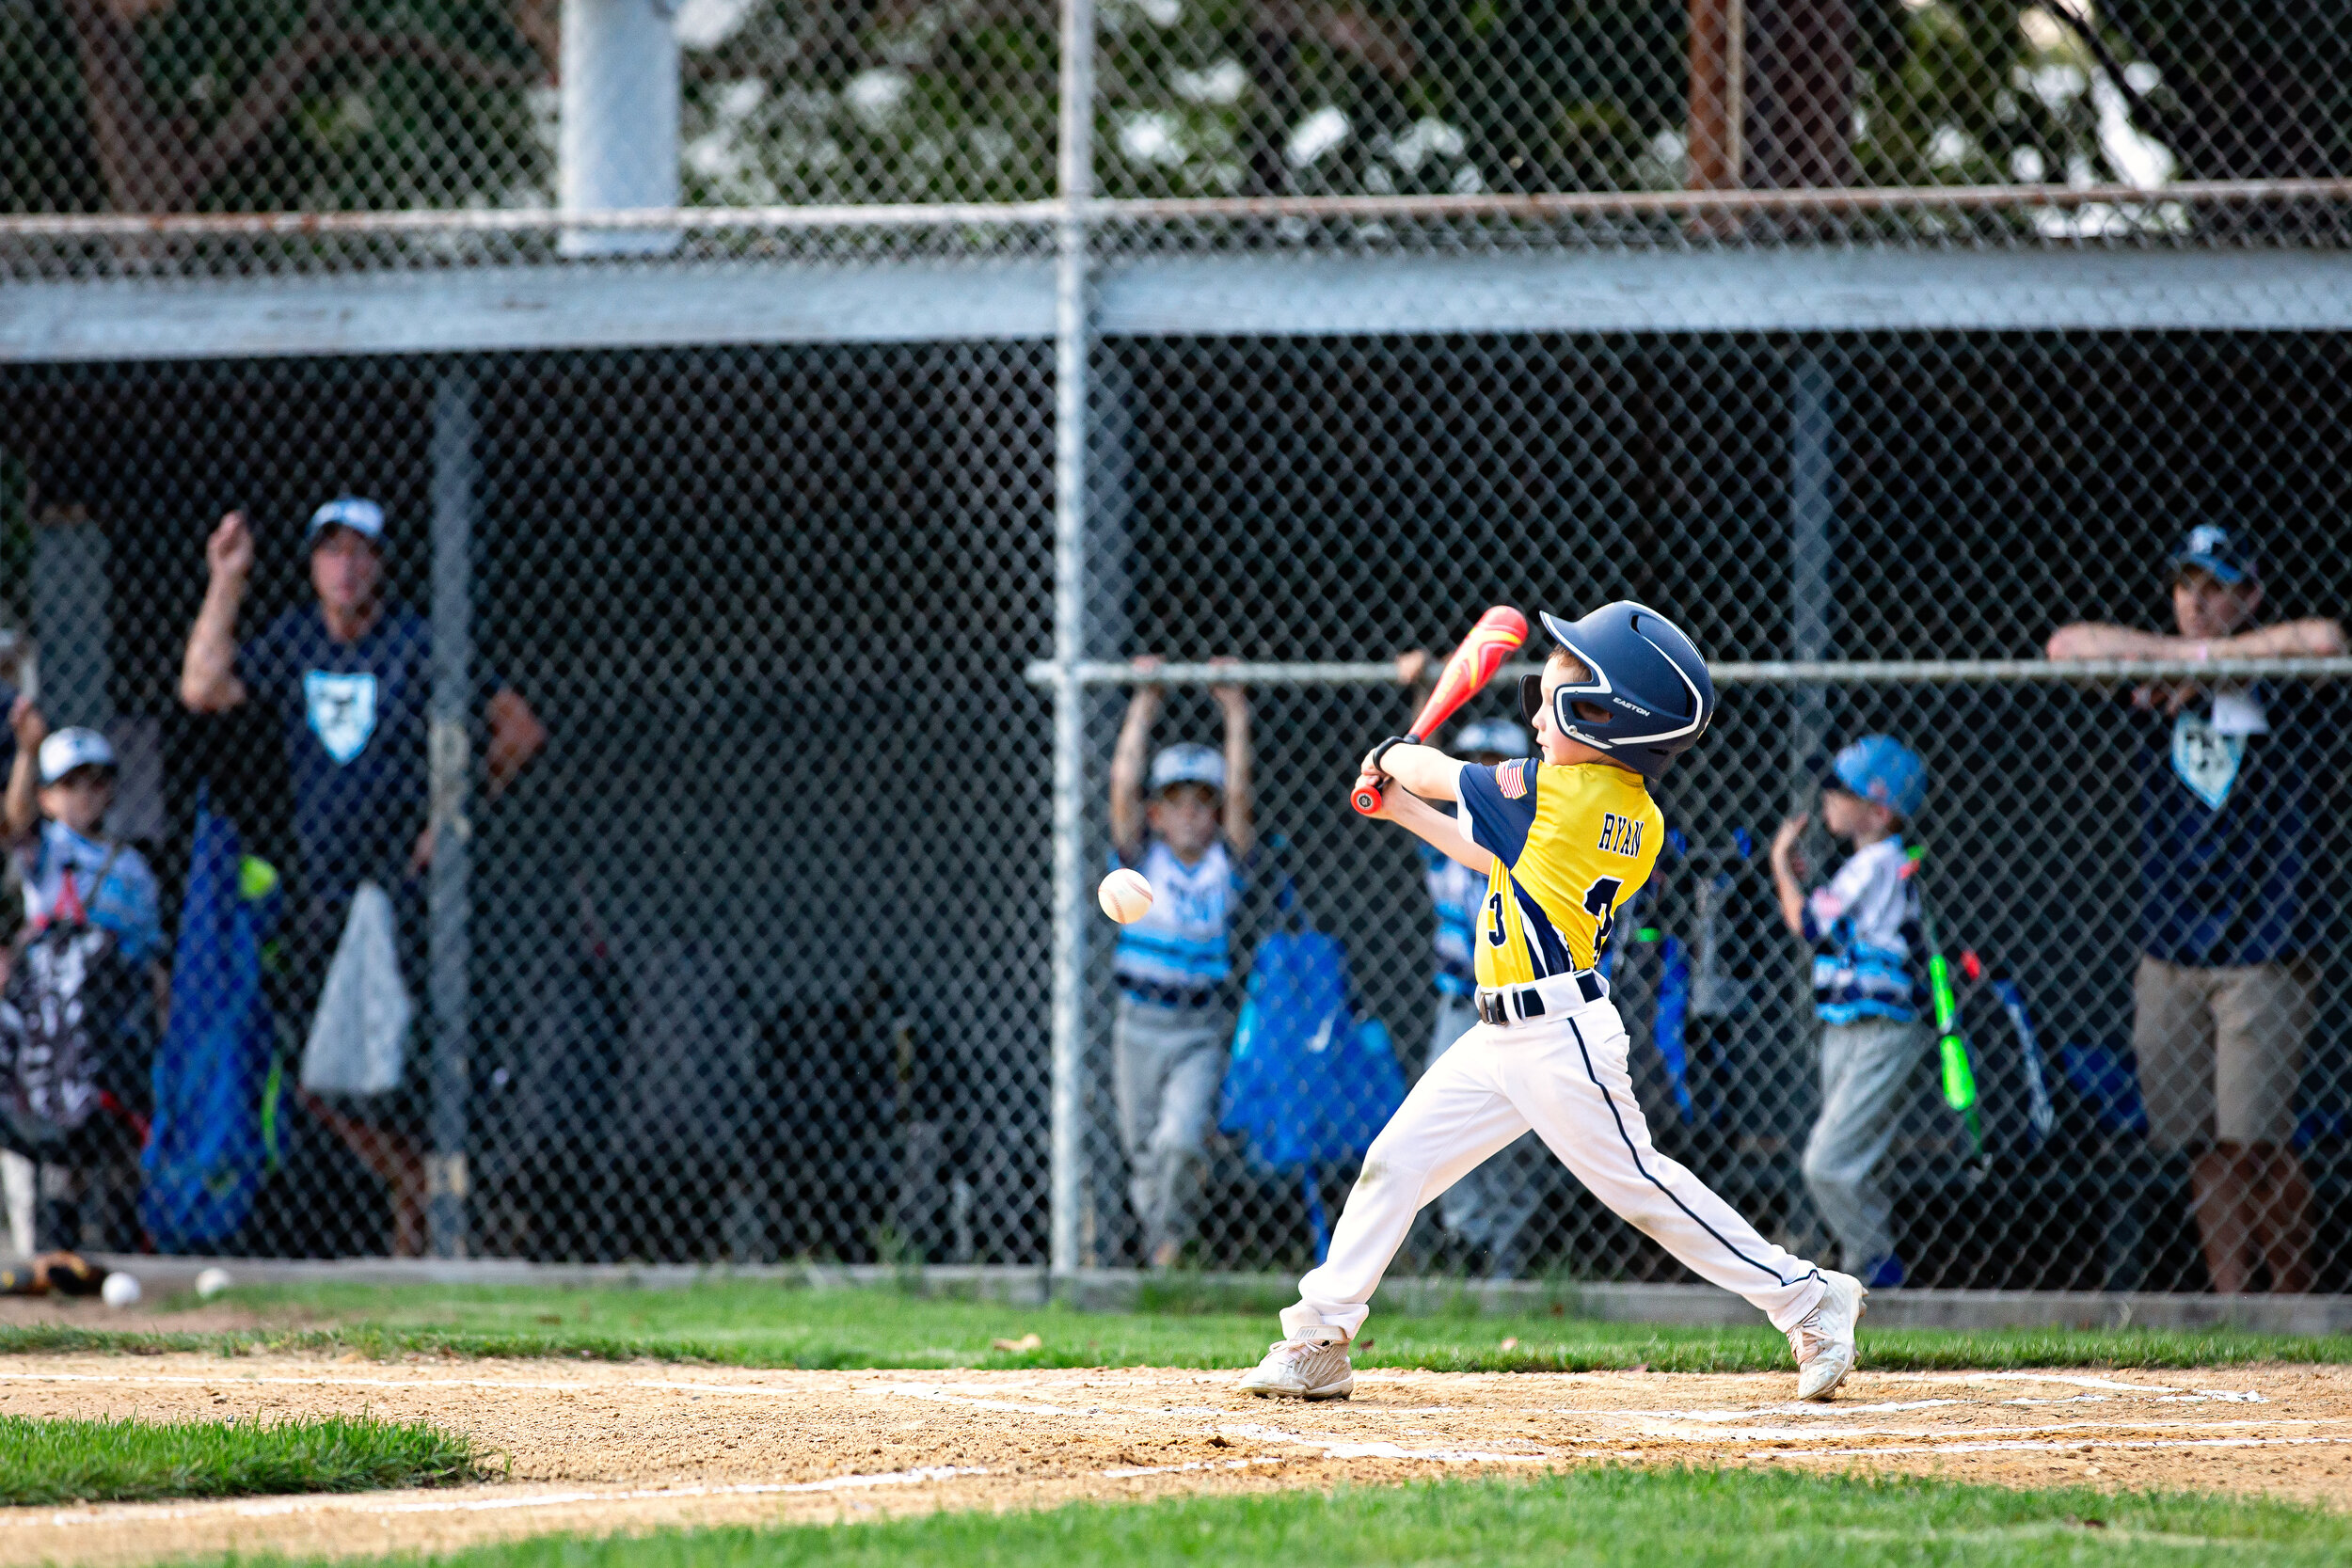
2104 1445
1196 1465
343 1503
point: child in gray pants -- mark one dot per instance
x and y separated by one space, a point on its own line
1192 840
1869 991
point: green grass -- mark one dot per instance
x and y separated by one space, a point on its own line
44 1460
770 1324
1594 1516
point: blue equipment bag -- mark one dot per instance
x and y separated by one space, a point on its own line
215 1082
1310 1082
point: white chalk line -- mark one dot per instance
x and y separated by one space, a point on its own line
1832 1435
1196 1465
2100 1445
1333 1444
269 1508
941 1394
936 1395
233 1380
1847 1407
279 1507
2104 1382
1335 1447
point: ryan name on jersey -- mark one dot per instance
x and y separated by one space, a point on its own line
1620 836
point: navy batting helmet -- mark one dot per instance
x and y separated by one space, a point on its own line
1648 678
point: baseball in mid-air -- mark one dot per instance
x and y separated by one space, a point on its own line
211 1282
121 1290
1125 896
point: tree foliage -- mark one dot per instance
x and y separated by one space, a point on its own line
195 104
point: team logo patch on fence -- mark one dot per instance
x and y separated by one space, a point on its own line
342 711
1511 778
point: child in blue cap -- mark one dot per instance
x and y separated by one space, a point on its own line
1869 991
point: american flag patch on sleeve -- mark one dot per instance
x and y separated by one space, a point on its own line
1511 778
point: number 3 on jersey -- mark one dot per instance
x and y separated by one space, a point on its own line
1600 902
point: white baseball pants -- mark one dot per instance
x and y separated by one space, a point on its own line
1565 1077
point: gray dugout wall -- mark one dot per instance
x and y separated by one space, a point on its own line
775 603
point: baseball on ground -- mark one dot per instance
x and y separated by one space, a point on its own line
1125 896
211 1282
120 1290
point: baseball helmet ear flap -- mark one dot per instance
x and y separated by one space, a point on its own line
1563 714
1564 703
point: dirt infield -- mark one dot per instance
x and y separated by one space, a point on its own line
603 1447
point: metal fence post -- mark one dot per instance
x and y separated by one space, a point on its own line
1072 339
617 141
452 712
1812 503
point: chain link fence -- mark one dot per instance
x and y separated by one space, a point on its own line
773 521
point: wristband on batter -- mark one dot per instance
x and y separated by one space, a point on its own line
1372 762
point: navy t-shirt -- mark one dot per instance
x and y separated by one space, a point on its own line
355 716
2237 818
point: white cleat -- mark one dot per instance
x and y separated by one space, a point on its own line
1302 1369
1825 1340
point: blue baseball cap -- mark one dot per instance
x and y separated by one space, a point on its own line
1882 768
355 513
2211 548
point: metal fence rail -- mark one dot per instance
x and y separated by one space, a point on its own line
1857 671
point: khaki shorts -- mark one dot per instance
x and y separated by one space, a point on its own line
2220 1050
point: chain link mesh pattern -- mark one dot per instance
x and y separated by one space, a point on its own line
718 620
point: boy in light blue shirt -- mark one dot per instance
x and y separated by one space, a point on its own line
60 787
1869 991
1186 827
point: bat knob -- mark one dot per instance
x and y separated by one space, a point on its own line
1367 800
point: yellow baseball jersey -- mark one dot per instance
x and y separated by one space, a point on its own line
1571 845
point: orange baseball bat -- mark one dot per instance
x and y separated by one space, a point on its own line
1500 632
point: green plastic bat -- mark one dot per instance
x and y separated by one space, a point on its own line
1951 1045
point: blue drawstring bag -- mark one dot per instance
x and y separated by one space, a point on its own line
1310 1082
209 1146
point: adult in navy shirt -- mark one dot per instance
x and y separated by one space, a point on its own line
2236 817
351 679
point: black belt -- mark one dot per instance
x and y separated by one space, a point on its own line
1518 1003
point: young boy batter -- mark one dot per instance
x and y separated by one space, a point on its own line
1564 841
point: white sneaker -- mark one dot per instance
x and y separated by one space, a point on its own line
1825 1340
1302 1369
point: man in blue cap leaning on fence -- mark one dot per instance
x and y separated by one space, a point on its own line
2236 830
